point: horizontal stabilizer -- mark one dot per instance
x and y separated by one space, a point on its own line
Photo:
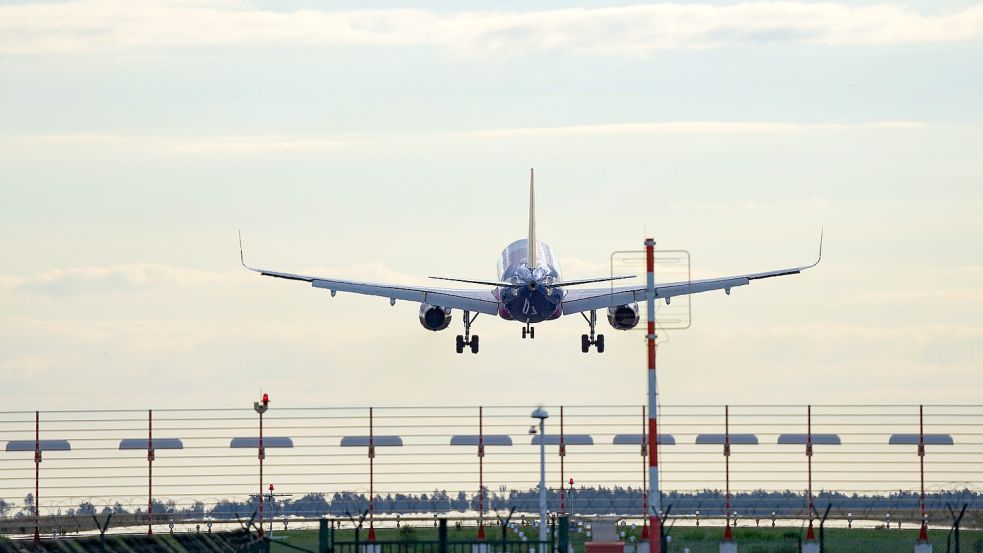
500 284
591 280
495 283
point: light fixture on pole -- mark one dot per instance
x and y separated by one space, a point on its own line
809 439
150 445
727 440
921 440
542 415
371 442
37 445
481 440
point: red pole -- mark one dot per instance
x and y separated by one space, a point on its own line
37 477
481 475
923 531
727 532
371 477
645 499
150 472
563 453
262 454
654 503
810 533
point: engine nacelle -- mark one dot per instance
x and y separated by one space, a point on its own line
623 317
433 317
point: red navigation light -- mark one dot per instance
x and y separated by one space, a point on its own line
266 399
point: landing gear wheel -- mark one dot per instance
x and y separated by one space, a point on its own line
532 332
586 341
467 339
523 333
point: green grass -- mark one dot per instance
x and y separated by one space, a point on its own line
698 540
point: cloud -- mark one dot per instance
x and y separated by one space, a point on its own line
145 277
307 143
118 278
635 31
690 127
248 144
77 138
808 205
303 143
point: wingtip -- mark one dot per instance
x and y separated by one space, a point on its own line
820 257
242 257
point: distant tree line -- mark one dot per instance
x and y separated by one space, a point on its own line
580 500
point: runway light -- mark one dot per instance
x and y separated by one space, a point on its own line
266 399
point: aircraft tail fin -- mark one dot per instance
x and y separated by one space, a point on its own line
531 242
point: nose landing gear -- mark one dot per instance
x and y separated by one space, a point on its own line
528 330
467 339
587 341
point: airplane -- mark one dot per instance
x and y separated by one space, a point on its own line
529 290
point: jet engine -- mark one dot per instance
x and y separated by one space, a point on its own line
623 317
433 317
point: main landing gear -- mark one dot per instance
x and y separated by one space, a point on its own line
528 330
468 339
587 341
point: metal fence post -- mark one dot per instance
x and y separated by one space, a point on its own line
442 535
325 537
553 538
564 537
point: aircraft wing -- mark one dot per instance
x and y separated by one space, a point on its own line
576 301
479 301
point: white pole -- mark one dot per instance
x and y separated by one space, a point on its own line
542 481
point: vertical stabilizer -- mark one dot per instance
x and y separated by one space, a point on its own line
531 243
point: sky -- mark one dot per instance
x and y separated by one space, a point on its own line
390 143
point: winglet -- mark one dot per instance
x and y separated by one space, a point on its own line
531 242
820 258
242 258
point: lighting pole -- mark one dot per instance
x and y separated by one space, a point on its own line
728 535
923 530
542 415
563 453
150 472
481 474
810 534
37 478
261 408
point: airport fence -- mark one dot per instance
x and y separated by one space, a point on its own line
73 468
